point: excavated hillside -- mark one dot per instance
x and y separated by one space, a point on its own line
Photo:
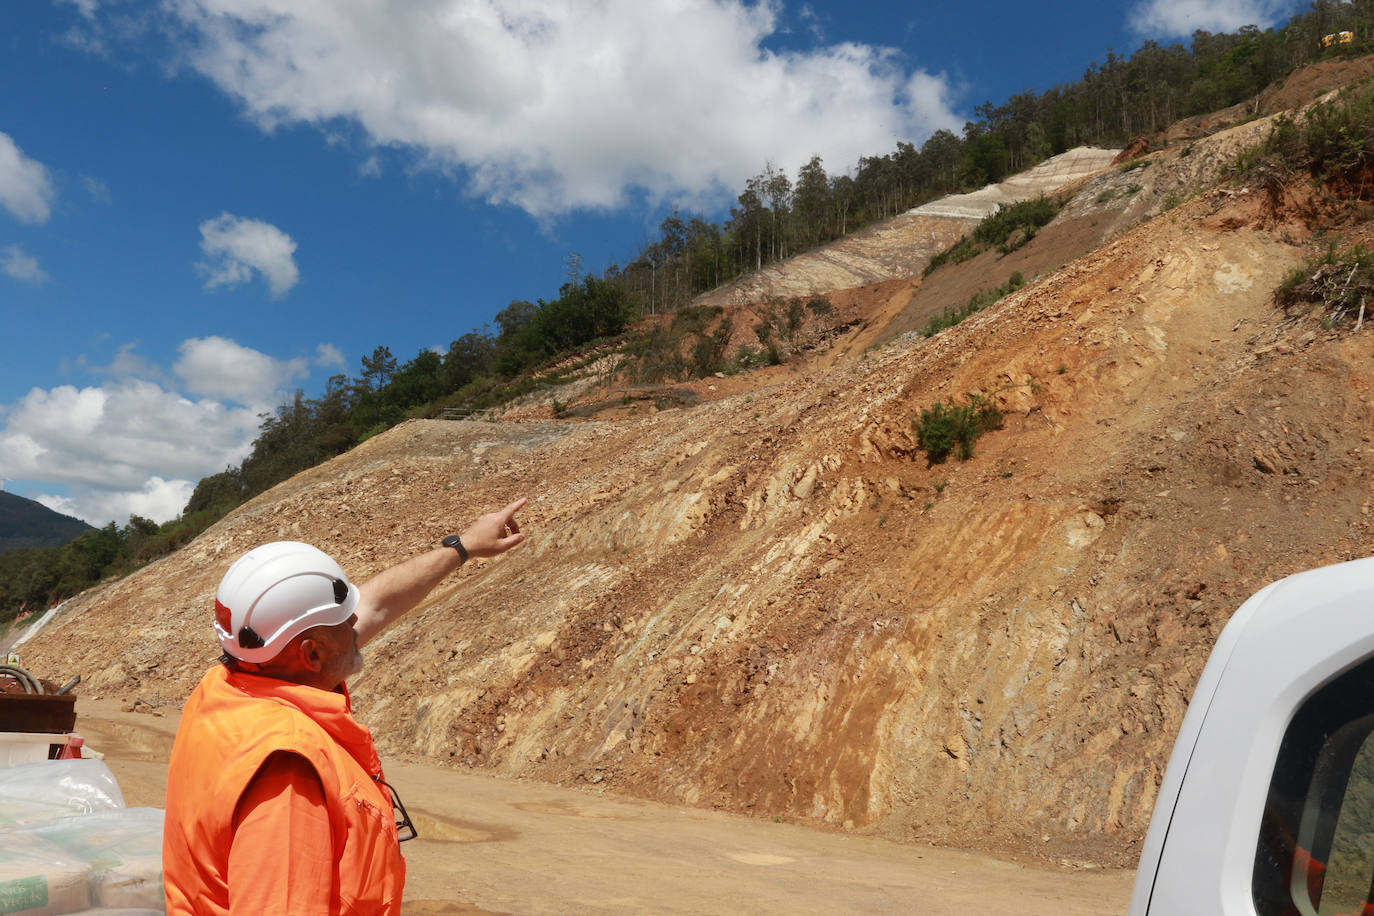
769 602
901 247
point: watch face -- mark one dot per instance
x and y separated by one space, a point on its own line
450 541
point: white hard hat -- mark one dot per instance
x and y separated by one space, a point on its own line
276 592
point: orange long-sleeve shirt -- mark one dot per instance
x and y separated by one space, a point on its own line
281 862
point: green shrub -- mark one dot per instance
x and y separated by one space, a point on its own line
708 355
371 431
1028 215
959 252
746 358
656 354
1333 143
693 319
977 302
820 306
1341 284
943 429
1007 230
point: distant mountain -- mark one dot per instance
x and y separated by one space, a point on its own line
25 523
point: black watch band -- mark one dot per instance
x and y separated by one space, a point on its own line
456 543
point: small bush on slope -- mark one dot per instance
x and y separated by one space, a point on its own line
955 428
1341 284
1007 230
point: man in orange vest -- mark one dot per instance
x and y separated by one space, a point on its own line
276 802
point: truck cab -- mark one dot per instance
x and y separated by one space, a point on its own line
1267 804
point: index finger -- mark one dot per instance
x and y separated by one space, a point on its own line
508 514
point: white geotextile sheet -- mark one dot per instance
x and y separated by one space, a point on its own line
68 844
123 849
47 789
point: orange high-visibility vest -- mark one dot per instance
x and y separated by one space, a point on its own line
230 725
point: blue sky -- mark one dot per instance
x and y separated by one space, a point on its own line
206 204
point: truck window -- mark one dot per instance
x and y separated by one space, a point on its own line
1315 854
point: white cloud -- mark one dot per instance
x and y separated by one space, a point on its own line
17 263
86 7
222 369
26 190
556 104
1180 18
812 22
110 444
129 365
328 356
134 445
99 191
235 247
159 500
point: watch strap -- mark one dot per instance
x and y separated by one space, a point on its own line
456 543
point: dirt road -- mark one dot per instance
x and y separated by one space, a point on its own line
490 845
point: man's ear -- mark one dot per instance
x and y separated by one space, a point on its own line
312 655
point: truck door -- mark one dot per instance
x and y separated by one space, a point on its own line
1267 805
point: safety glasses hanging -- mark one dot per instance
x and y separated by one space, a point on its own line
405 827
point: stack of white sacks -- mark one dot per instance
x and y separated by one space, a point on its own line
68 844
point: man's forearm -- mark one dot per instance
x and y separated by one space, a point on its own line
394 591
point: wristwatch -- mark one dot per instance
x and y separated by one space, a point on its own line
456 543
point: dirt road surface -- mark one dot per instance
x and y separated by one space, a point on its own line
492 845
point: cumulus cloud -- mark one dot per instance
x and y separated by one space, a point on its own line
222 369
26 190
135 445
129 364
115 444
328 356
158 500
236 247
561 105
1180 18
20 265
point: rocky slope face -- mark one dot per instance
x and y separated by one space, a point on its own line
770 603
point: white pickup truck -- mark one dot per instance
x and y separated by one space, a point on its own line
1267 805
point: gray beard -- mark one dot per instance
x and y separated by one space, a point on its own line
355 664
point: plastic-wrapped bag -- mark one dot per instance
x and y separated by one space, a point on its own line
38 878
123 849
56 788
